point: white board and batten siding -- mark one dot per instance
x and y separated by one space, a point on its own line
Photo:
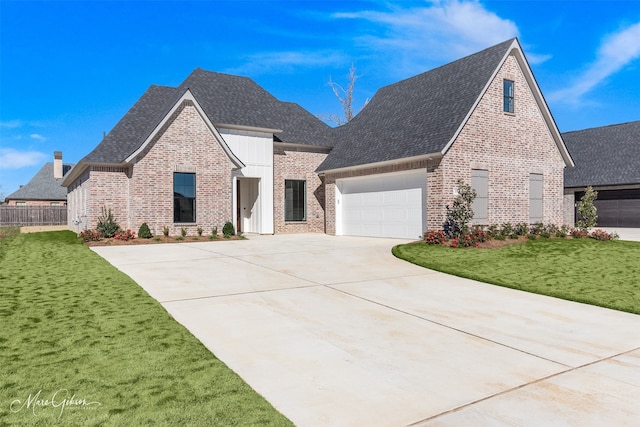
255 150
385 205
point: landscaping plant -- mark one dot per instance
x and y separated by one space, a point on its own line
144 232
460 213
107 224
228 230
587 212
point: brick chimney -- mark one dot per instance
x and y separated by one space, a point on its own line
57 164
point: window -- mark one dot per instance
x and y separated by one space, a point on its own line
184 197
21 203
480 183
535 198
295 200
56 204
508 96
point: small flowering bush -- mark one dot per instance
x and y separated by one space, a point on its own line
124 235
478 235
576 233
465 241
90 235
435 237
603 235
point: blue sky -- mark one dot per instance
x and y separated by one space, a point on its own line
70 70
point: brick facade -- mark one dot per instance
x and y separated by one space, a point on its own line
299 165
508 146
144 192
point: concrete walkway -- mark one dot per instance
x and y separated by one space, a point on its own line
335 331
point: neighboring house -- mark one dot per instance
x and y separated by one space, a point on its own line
45 188
220 148
608 159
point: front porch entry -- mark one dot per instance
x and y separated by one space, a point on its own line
248 205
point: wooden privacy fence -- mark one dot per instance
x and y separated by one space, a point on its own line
32 215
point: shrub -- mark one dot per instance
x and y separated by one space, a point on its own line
603 235
157 239
500 237
165 231
587 212
577 233
561 234
124 235
552 229
107 224
144 232
228 230
199 231
179 238
459 215
435 237
214 231
513 236
545 234
531 236
492 231
536 228
521 229
479 235
507 229
183 231
90 235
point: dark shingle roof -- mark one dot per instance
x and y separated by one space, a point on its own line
607 155
236 100
43 186
226 99
129 133
415 116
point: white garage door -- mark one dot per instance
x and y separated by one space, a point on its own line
386 205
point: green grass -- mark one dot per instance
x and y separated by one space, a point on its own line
72 321
606 274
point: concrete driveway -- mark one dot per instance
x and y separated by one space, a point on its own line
335 331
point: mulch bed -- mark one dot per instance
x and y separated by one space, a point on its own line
159 240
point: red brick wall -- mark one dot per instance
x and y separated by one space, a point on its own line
299 165
510 147
185 144
108 188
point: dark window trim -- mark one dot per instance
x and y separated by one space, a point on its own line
295 210
180 215
508 103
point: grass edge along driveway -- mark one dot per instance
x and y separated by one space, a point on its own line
602 273
87 343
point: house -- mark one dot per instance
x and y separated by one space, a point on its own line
220 148
45 188
608 159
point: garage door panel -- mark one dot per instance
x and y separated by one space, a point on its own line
384 205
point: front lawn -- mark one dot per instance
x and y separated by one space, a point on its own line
82 344
600 273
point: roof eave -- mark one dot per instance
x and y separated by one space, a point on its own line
430 156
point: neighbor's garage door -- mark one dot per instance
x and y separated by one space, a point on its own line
386 205
617 208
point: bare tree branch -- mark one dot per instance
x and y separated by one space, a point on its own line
345 98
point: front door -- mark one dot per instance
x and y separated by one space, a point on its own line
248 202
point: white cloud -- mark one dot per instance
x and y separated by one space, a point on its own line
442 30
14 159
616 51
287 60
10 124
37 136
